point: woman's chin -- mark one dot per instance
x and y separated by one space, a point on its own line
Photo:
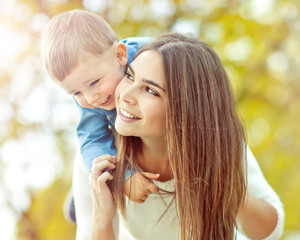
123 131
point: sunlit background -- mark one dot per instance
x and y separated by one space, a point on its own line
257 40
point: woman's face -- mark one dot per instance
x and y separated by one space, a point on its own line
141 98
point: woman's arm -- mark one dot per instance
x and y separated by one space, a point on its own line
257 217
104 207
262 215
86 213
101 231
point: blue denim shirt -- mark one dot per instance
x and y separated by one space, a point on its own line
95 126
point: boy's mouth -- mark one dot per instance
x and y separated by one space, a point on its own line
106 101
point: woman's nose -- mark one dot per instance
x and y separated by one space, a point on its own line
128 96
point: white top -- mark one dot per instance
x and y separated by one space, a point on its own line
146 221
152 219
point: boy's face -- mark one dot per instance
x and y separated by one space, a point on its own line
94 80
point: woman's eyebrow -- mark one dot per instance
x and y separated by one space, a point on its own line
147 80
150 82
131 69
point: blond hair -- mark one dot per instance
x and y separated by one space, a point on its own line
69 34
205 140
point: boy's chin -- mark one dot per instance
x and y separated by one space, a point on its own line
108 108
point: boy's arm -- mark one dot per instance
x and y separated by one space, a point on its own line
95 134
139 186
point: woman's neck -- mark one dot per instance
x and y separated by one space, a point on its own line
154 158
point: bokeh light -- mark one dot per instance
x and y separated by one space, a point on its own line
257 41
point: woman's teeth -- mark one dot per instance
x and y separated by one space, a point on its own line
126 114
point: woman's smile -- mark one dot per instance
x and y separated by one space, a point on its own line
127 115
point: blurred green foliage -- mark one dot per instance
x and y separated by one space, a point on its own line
259 47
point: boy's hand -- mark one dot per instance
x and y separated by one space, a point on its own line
138 187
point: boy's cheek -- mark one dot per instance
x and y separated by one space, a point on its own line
84 104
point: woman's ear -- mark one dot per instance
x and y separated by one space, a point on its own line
121 53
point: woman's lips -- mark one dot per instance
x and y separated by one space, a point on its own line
128 117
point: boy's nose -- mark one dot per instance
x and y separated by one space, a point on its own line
92 98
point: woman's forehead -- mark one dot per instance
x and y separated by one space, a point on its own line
149 65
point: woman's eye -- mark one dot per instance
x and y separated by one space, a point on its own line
151 91
94 82
127 75
76 94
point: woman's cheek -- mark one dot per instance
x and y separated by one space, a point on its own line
117 93
158 117
120 87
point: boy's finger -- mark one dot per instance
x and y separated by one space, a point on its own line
152 188
142 199
149 175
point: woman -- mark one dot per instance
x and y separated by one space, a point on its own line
177 118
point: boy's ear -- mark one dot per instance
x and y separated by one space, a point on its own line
121 53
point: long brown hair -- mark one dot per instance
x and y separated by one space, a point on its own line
205 140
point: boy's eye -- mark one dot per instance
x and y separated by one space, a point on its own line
94 82
76 94
151 91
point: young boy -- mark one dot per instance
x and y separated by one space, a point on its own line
83 55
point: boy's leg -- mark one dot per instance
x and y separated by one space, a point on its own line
69 208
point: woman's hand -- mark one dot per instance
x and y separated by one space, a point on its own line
104 207
138 187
